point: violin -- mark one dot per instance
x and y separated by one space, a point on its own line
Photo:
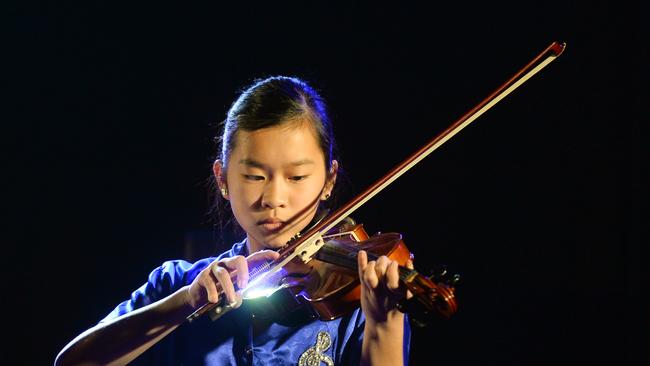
317 268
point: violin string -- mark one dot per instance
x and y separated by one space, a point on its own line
334 254
351 232
256 270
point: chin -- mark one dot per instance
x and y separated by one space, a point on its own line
276 243
273 247
274 240
271 242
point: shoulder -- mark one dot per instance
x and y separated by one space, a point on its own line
174 274
167 278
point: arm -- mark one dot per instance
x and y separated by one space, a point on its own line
383 339
121 340
383 343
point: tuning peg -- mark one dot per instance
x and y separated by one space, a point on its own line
441 274
438 273
454 280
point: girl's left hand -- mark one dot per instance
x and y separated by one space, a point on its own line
380 288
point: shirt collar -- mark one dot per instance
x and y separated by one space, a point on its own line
240 248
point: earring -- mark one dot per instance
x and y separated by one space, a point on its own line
224 192
327 195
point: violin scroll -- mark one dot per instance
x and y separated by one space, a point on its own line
431 296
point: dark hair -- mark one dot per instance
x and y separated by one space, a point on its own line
272 102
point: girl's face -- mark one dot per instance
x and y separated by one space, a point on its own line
275 179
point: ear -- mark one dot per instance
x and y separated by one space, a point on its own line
330 180
220 176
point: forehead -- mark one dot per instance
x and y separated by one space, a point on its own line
278 145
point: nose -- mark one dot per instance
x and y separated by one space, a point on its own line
274 194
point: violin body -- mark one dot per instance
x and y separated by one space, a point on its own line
329 284
332 288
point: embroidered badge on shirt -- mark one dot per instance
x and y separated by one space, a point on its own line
313 356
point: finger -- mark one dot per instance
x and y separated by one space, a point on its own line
381 266
392 277
208 282
241 266
409 265
370 275
223 276
362 262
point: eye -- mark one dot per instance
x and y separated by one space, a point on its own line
253 177
298 178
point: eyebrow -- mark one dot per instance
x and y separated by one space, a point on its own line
256 164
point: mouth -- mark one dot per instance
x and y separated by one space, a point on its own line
271 225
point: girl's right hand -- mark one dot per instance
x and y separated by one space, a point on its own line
204 287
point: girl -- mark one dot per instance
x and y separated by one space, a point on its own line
276 168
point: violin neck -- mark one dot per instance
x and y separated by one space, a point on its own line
345 255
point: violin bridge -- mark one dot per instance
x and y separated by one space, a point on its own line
308 249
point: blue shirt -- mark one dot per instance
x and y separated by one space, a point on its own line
231 340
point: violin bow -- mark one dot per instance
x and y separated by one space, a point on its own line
547 56
309 242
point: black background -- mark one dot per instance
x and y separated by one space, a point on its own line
538 205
